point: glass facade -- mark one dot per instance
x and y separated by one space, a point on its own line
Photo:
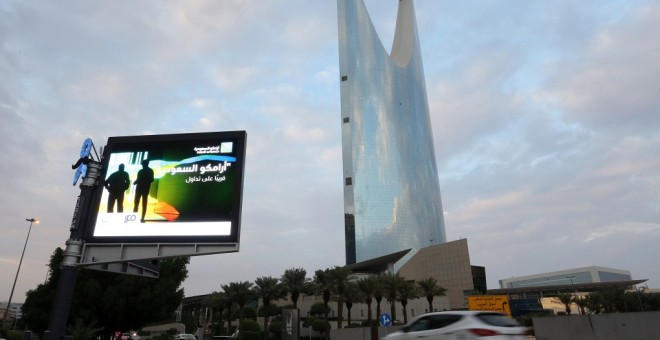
574 276
391 187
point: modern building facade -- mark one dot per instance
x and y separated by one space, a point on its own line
575 276
449 264
391 187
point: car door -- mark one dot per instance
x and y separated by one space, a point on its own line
430 327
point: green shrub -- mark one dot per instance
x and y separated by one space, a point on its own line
251 336
249 325
275 327
320 325
367 323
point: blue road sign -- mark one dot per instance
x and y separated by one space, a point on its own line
385 320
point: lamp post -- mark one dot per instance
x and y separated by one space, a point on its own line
31 220
571 277
640 299
572 285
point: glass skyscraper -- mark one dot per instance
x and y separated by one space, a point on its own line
391 188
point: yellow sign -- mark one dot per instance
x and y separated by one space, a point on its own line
495 303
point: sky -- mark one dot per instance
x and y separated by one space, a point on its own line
545 114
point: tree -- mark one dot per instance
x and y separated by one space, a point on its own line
295 282
566 300
217 301
81 330
407 291
319 308
367 287
351 295
240 293
581 303
38 302
268 289
594 302
114 301
430 289
323 285
391 286
613 299
339 281
322 326
379 293
231 311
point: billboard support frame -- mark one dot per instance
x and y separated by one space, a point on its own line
100 253
85 249
72 254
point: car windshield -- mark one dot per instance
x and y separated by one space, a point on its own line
499 320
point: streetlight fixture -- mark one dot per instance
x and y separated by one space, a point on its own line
571 277
31 220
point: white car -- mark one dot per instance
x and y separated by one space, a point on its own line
461 325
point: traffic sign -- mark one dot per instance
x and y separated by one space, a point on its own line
385 320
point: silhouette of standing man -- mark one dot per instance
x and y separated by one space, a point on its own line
116 184
142 184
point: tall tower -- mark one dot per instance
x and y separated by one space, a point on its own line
391 188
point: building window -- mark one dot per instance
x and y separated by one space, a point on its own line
344 78
345 119
349 180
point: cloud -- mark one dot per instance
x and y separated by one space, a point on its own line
544 118
613 84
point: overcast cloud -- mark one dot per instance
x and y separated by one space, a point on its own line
546 119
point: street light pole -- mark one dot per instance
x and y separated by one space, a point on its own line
571 277
31 220
572 284
640 299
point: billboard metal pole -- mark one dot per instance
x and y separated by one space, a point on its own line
68 273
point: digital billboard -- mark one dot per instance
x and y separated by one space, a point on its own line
184 188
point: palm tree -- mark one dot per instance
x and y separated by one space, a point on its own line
217 301
240 293
379 292
323 285
268 289
391 285
594 302
566 300
581 303
367 286
229 310
407 291
295 282
430 289
339 277
351 295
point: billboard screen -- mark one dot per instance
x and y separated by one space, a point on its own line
170 188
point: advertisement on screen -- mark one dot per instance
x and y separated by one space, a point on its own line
178 188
